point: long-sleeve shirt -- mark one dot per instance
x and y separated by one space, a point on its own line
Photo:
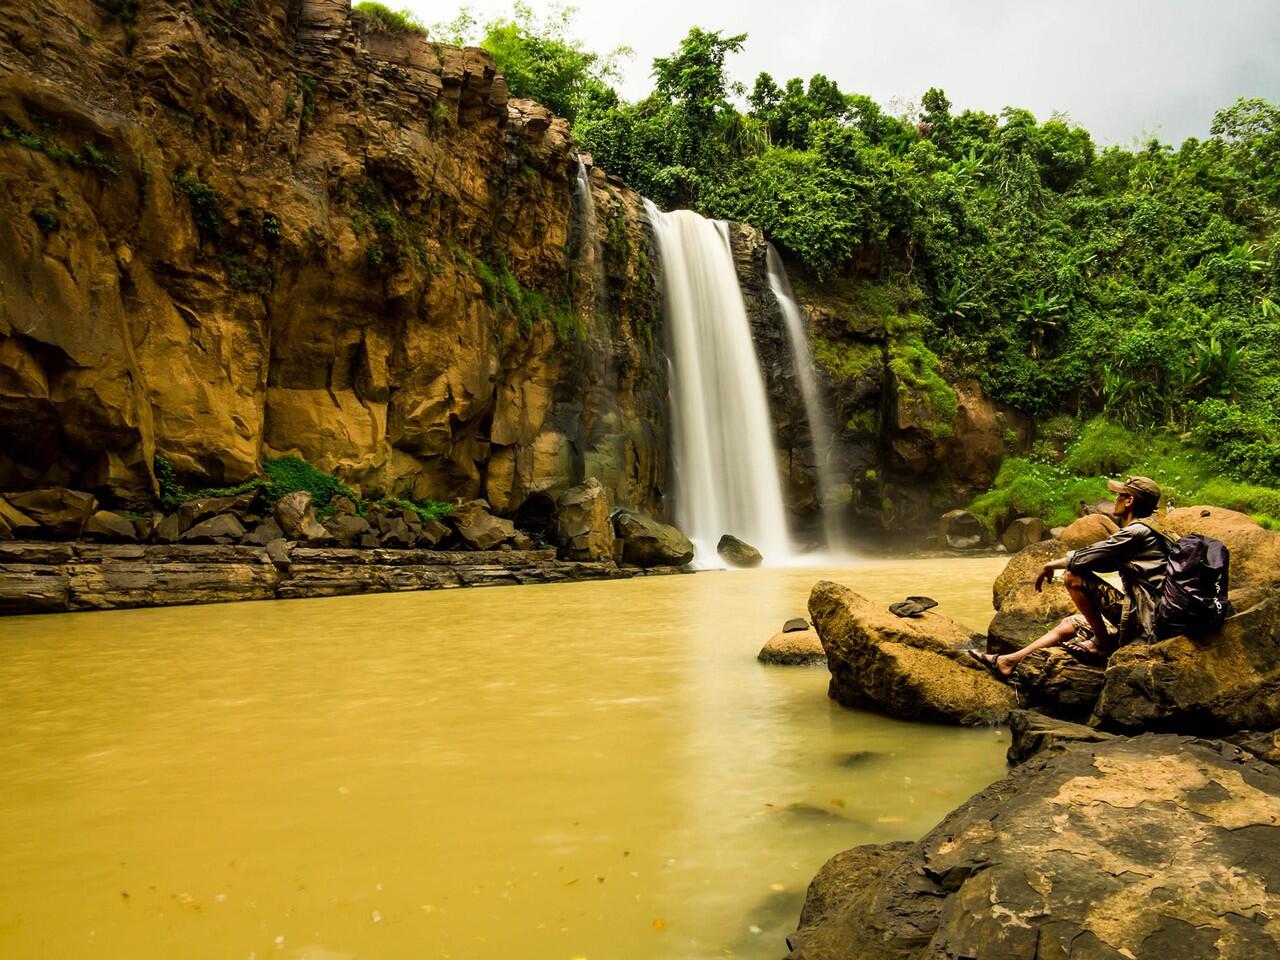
1139 554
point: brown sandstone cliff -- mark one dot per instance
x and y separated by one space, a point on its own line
231 231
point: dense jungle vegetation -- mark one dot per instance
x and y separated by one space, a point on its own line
1140 285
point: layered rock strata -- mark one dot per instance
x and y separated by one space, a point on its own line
63 577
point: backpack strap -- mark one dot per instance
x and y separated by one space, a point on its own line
1157 528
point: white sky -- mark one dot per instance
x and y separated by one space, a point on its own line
1124 69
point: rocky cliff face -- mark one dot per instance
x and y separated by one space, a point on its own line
230 231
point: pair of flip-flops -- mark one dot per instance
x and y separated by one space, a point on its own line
912 606
990 663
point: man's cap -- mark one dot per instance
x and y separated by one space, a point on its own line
1137 486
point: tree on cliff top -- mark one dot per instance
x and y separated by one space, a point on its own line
539 58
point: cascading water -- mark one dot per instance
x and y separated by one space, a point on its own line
819 429
588 254
726 471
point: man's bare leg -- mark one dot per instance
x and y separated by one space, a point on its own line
1008 662
1084 602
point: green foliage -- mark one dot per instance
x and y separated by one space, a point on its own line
285 475
381 17
46 219
308 87
290 474
918 370
397 236
270 228
245 274
539 58
1051 484
206 203
104 164
529 307
844 360
425 509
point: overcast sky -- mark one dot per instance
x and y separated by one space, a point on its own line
1124 69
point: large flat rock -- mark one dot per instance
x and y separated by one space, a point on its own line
913 668
1150 848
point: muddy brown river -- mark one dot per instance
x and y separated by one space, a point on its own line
594 770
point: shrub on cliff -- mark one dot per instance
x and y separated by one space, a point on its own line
381 17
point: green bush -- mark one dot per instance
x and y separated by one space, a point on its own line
206 203
290 474
381 17
1053 491
426 509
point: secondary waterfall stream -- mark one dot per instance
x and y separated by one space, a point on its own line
819 429
726 471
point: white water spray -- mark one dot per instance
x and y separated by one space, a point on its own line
726 470
588 253
819 429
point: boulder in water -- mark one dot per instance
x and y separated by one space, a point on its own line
961 530
648 543
738 553
793 647
1146 847
914 668
584 529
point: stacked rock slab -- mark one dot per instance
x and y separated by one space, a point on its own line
1150 848
584 529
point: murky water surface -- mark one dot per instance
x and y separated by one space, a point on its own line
596 770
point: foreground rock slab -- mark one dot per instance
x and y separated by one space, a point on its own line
913 668
1152 848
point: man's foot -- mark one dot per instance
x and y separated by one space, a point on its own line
993 665
1086 652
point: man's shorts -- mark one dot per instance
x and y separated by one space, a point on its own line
1107 600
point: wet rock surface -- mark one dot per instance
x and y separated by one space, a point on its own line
1152 848
738 553
914 668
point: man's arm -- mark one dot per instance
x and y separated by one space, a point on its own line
1048 570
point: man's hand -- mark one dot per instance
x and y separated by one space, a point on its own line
1046 573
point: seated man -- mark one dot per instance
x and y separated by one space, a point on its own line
1107 619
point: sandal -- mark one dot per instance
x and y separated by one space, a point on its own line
1082 654
991 664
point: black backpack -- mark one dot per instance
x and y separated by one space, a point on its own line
1194 598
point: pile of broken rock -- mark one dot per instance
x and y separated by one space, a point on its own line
1124 831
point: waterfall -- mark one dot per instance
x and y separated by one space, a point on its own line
726 470
820 435
587 247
